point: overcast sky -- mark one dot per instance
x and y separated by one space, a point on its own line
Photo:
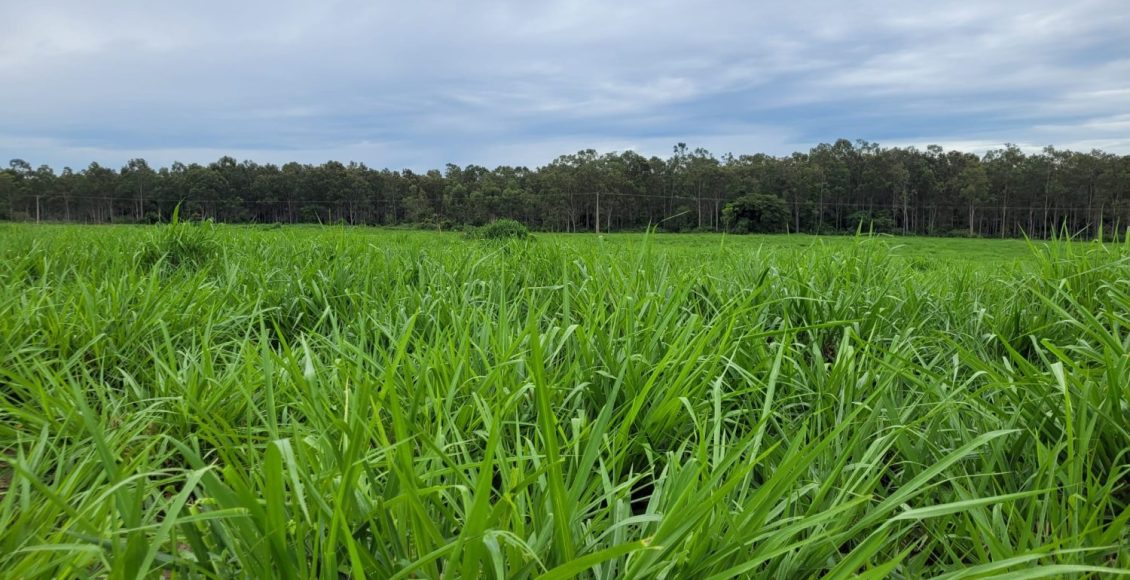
418 84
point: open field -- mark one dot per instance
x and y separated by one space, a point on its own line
985 252
319 402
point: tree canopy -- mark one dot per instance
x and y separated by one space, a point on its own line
833 187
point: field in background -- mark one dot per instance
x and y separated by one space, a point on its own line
300 402
961 249
958 249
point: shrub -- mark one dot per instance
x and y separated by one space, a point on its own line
756 212
503 229
878 222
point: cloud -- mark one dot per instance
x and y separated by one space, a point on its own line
507 82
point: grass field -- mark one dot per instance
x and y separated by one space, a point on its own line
308 402
996 252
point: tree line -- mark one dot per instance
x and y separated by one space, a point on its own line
834 187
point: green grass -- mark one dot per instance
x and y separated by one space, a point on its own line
957 249
309 402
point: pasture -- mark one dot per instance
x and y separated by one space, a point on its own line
221 401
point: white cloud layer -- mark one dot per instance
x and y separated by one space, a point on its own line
423 83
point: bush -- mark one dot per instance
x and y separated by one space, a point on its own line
958 233
179 243
878 222
756 212
503 229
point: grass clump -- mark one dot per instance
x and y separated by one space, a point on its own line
366 403
502 229
180 244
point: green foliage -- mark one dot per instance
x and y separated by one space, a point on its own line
877 222
340 402
503 229
180 244
831 188
756 213
7 192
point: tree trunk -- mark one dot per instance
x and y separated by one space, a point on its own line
598 212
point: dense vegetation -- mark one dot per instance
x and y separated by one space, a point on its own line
831 188
226 401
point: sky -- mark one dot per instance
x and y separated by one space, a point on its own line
421 83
